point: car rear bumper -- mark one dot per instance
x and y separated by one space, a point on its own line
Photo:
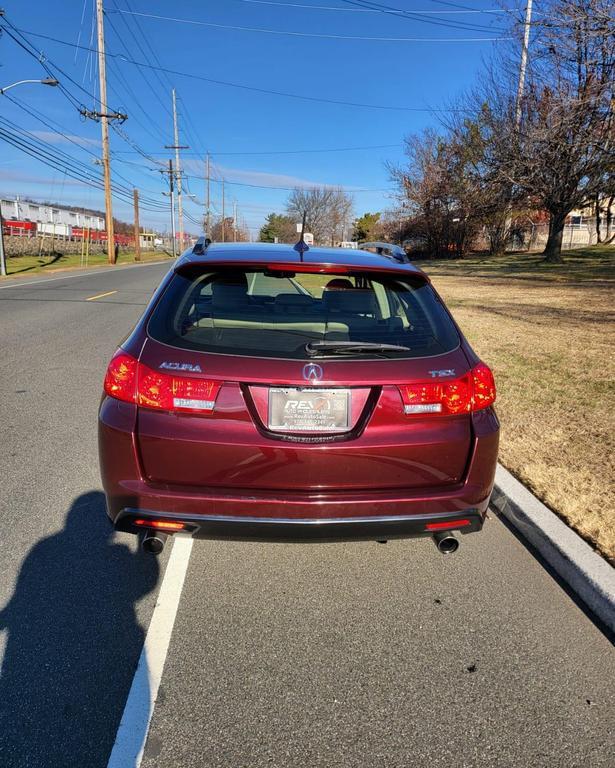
291 515
341 516
248 528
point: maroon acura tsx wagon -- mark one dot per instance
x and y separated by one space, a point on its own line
271 393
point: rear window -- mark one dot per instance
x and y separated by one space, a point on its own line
268 314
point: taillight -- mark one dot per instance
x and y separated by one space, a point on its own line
121 377
175 393
484 387
437 397
133 382
468 393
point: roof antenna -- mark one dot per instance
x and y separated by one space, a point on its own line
302 246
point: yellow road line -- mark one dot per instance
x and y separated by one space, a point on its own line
100 295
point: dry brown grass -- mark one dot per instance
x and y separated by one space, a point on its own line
551 345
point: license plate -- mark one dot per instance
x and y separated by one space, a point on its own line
309 410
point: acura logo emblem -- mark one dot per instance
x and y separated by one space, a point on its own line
312 372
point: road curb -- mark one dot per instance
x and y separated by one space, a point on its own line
585 572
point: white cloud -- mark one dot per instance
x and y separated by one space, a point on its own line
55 138
261 178
46 181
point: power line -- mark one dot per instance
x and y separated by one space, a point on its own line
61 132
241 86
363 10
31 50
295 151
42 121
193 137
191 130
309 151
63 158
122 134
137 41
412 15
191 218
152 50
320 35
134 101
96 181
455 5
287 189
28 144
27 46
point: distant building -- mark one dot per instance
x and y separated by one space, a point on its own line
16 209
149 240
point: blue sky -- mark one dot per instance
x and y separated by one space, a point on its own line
251 135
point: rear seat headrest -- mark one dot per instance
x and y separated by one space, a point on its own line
356 302
292 302
339 284
226 289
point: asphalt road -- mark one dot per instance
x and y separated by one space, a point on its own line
281 655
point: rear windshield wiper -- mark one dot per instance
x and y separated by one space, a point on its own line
314 348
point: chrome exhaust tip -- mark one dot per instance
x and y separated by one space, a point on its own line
153 542
445 542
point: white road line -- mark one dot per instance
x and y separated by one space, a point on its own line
130 739
18 284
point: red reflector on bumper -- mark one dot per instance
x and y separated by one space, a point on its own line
165 525
448 524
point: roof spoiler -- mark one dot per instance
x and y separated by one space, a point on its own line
389 250
201 245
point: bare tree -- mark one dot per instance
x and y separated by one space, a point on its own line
562 148
227 230
445 204
552 151
328 212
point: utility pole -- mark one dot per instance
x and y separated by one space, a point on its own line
2 254
527 25
180 212
172 196
135 197
177 146
234 221
207 210
223 221
104 122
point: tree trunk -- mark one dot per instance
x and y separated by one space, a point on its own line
553 248
598 219
609 218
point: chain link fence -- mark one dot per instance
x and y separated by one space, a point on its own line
578 232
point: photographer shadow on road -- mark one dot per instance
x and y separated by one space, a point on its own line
73 643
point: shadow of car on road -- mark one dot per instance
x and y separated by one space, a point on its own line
73 643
